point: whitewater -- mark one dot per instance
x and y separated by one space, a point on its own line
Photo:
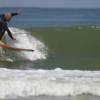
57 82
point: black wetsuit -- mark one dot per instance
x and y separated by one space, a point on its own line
4 26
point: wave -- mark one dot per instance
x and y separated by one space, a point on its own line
55 82
24 39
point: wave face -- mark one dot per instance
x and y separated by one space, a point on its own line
24 39
56 82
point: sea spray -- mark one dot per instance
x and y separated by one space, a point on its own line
25 40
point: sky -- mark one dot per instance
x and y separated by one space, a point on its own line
51 3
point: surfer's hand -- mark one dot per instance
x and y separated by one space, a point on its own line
14 38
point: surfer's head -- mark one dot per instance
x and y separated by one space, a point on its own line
7 16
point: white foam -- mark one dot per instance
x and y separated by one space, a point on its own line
25 40
48 82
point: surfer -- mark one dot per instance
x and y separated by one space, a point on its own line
5 18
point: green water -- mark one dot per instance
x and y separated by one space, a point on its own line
70 48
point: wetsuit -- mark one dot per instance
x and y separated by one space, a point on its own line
4 26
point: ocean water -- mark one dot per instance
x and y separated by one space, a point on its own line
65 64
44 17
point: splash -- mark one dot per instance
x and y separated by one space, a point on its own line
25 40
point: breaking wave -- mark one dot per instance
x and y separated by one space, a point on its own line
56 82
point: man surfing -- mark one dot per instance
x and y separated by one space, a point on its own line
5 18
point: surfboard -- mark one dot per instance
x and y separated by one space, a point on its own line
6 46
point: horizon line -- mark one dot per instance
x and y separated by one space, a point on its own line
48 7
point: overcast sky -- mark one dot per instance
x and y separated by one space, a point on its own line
52 3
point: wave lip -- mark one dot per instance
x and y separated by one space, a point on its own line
25 83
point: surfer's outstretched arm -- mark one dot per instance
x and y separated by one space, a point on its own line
14 14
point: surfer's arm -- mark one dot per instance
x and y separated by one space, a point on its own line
10 34
17 13
8 31
14 14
